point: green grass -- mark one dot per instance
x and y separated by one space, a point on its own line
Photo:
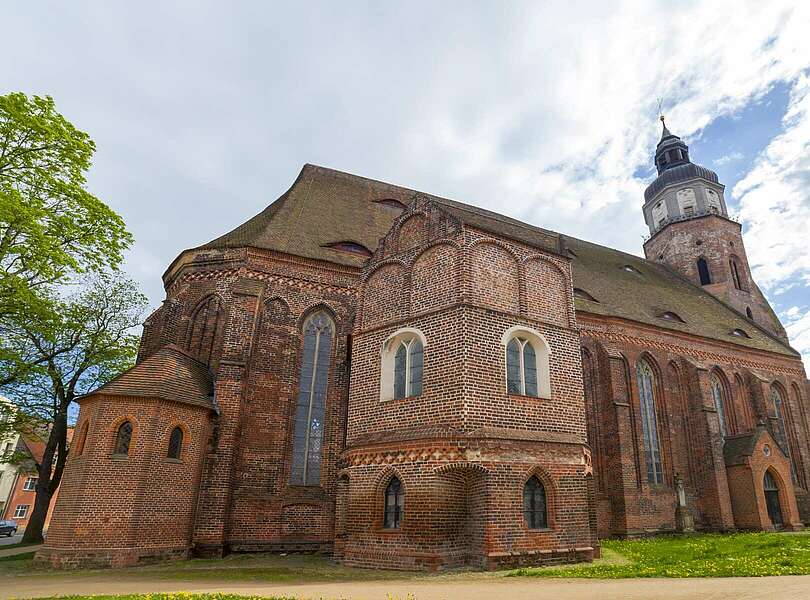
13 557
707 555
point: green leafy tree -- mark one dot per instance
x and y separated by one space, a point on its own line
51 227
87 342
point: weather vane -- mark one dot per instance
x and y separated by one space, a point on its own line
660 113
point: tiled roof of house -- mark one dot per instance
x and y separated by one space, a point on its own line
325 206
738 447
168 374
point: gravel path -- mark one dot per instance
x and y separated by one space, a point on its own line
783 588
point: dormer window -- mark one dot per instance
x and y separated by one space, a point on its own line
583 295
631 269
740 333
671 316
350 247
391 203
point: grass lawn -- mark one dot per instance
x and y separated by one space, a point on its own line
706 555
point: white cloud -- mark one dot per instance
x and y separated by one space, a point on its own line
727 158
204 112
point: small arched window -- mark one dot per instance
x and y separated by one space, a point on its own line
534 504
123 438
408 363
703 271
649 422
748 313
394 504
671 316
583 295
740 333
719 396
527 363
82 439
175 443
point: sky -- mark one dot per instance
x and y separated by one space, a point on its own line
204 112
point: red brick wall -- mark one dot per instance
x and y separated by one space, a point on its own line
115 511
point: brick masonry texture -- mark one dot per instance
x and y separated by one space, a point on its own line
463 448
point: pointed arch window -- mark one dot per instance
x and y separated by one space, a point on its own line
736 276
175 443
202 331
394 504
123 438
703 271
649 423
718 395
408 363
534 504
82 439
527 363
780 429
312 384
521 367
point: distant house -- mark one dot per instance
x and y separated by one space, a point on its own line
23 481
8 471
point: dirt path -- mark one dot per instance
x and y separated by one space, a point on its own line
783 588
18 550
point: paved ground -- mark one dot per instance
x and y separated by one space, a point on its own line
5 541
785 588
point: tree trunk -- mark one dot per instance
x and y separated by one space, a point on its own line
33 531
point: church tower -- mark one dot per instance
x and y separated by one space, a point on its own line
691 232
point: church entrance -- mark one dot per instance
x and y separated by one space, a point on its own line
772 500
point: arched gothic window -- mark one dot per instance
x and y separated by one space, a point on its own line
649 422
703 271
527 363
534 504
394 504
175 443
521 367
782 433
408 367
719 394
308 437
123 438
202 331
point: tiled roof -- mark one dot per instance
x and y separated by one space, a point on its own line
168 374
325 206
738 447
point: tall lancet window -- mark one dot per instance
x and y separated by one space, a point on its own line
309 416
782 433
718 395
649 422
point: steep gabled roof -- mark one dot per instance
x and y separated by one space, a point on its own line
168 374
738 447
325 206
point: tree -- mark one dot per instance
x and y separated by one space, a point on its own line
85 343
51 227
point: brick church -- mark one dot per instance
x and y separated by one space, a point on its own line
406 381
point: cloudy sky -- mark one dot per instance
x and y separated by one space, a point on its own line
204 112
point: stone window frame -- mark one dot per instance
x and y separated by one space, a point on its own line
542 352
388 352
